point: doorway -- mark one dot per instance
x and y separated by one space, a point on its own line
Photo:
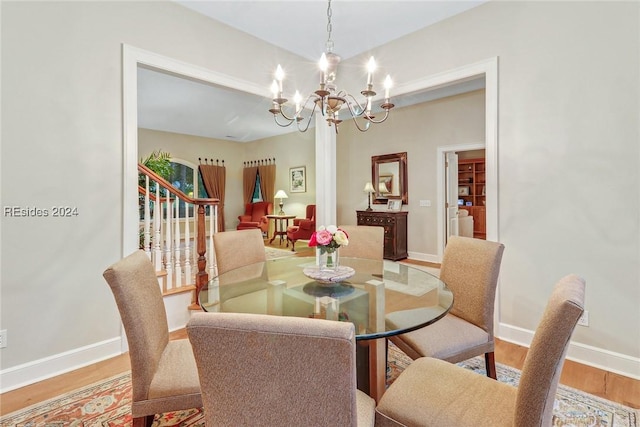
448 189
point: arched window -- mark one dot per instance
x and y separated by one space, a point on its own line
185 177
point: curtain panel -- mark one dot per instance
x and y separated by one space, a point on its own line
249 182
214 178
267 182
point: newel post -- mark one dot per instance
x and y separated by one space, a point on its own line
202 277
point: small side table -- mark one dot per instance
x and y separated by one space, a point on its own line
280 224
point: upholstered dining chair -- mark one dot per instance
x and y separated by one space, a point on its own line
431 392
277 371
470 268
164 375
365 241
238 248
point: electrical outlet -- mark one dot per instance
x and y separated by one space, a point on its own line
584 319
3 338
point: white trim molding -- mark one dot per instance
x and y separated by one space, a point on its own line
585 354
58 364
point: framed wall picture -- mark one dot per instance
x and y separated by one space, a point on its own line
298 179
463 190
394 204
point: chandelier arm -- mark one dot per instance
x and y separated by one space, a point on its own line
290 119
308 121
355 112
372 120
275 118
366 127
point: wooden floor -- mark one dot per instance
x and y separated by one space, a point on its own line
595 381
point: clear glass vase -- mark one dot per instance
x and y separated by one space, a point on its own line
329 258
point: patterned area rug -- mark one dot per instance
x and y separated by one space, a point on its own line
107 404
273 253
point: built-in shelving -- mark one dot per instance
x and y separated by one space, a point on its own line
472 193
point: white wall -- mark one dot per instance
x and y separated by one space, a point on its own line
568 158
419 130
62 144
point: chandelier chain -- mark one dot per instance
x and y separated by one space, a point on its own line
329 26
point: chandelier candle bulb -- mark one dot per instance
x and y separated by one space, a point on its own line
279 78
371 67
387 86
324 64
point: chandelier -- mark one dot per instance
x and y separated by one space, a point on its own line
327 98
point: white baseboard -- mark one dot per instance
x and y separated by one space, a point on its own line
49 367
618 363
419 256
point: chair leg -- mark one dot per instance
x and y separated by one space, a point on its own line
143 421
293 245
490 364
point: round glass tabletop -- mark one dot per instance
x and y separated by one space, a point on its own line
381 298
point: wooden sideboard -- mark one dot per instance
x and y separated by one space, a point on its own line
395 231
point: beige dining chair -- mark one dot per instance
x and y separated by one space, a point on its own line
365 241
470 269
164 375
431 392
277 371
238 248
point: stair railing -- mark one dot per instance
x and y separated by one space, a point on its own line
167 218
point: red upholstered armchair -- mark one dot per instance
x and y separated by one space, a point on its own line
255 216
302 228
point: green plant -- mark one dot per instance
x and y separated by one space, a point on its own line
160 162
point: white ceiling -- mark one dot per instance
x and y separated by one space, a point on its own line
172 104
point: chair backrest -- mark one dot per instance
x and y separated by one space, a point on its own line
274 370
365 241
545 358
470 268
238 248
310 212
258 209
135 287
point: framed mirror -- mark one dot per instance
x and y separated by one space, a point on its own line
389 178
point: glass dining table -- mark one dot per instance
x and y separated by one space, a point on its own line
381 298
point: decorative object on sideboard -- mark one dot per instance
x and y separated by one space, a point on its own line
368 188
394 205
327 98
281 195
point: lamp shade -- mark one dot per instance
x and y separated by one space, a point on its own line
368 188
281 195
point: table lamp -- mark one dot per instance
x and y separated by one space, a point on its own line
281 195
368 188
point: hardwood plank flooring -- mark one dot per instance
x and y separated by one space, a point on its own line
595 381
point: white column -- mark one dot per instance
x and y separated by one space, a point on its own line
325 173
